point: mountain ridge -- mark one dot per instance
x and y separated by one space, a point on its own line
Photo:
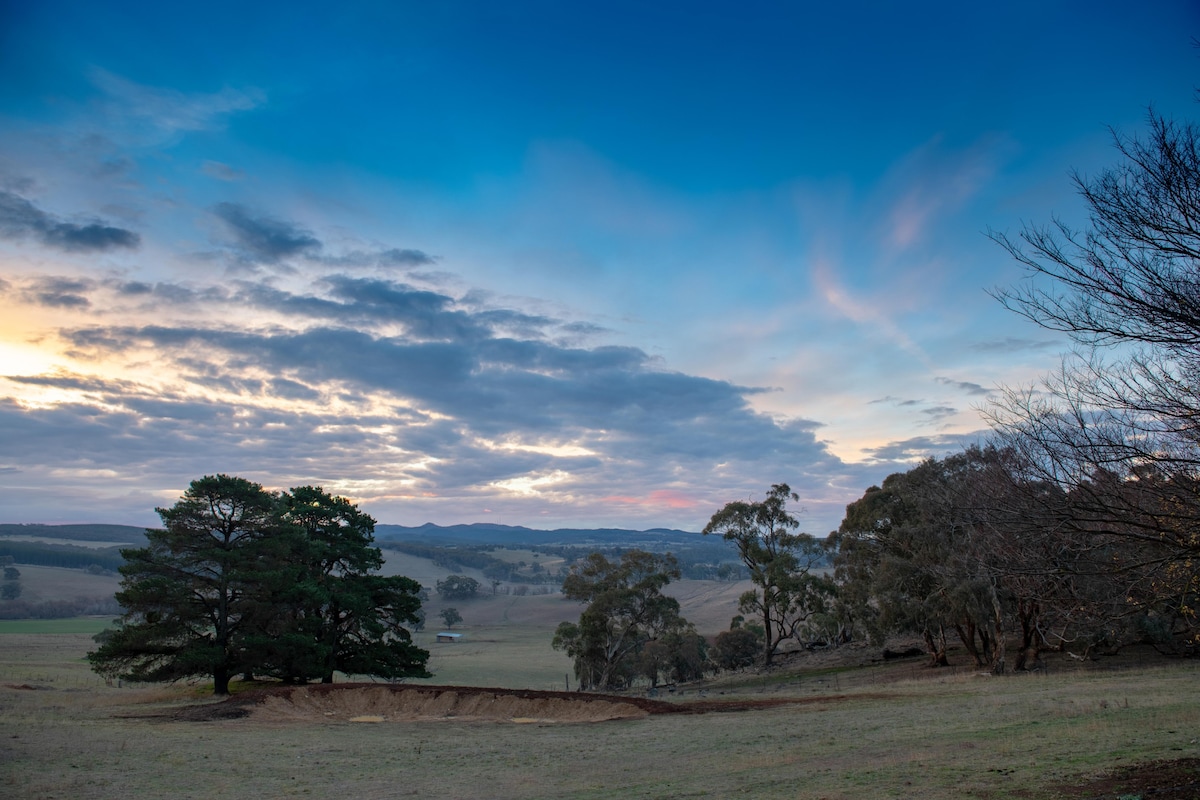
468 533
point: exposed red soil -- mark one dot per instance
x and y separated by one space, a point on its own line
375 702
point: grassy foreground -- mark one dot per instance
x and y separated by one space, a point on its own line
870 736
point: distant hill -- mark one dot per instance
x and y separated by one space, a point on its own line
127 534
475 534
515 536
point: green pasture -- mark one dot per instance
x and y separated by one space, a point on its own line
514 555
510 657
851 728
88 625
879 732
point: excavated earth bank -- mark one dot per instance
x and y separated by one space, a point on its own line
374 702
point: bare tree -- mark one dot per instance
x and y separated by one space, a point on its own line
1117 428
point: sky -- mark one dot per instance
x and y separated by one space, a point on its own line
535 263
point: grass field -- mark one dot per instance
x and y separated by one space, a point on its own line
56 583
88 625
854 728
869 735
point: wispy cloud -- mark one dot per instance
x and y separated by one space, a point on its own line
222 172
938 413
965 386
934 182
866 312
170 111
58 292
1012 344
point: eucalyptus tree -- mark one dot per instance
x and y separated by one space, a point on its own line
626 609
788 593
923 553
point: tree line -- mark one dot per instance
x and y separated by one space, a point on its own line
1075 527
70 556
701 561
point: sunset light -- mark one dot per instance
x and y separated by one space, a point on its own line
642 262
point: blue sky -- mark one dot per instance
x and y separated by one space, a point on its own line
547 264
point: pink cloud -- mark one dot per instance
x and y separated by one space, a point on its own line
659 498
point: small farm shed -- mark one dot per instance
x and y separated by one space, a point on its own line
446 636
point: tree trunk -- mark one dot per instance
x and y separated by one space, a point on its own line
221 681
936 647
966 633
769 634
997 633
1029 655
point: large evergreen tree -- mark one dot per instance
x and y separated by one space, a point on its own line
242 580
334 613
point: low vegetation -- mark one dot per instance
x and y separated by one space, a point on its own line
860 727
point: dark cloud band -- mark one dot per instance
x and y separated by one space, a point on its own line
19 219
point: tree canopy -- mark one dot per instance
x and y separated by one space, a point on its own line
626 611
788 594
1116 430
242 580
457 587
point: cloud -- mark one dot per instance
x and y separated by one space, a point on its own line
934 182
170 110
452 362
58 292
406 258
919 447
263 238
1011 344
222 172
114 167
391 258
868 313
895 401
20 219
461 384
409 399
966 386
939 412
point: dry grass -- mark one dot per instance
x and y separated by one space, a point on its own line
56 583
942 736
867 731
507 655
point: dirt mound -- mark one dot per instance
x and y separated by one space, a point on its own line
394 703
374 702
